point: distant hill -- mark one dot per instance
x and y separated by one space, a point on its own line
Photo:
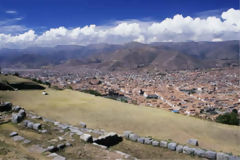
160 55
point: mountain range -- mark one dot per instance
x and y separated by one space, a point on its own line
130 56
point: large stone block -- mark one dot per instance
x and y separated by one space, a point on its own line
126 134
155 143
179 149
172 146
210 155
164 144
133 137
188 150
199 152
37 126
140 140
193 142
148 141
223 156
86 138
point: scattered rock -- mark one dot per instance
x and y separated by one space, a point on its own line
188 150
83 125
210 155
140 140
16 118
148 141
13 134
179 149
172 146
52 149
133 137
36 149
101 146
155 143
68 144
61 146
86 138
7 106
164 144
56 156
43 131
26 141
126 134
126 156
193 142
18 138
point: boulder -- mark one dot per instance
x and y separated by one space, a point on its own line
18 138
172 146
16 108
37 126
13 134
16 118
199 152
22 113
179 149
193 142
86 138
148 141
188 150
140 140
234 158
155 143
126 134
133 137
83 125
210 155
164 144
223 156
7 106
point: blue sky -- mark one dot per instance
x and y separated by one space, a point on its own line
53 22
44 14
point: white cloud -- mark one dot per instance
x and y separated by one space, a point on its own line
178 28
11 12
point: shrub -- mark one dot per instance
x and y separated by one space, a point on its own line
228 118
93 92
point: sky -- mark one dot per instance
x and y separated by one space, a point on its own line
25 23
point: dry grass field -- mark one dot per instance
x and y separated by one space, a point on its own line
72 107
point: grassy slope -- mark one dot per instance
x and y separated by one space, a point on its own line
72 107
15 82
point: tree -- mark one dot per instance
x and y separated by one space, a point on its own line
228 118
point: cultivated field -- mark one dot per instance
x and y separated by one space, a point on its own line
72 107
